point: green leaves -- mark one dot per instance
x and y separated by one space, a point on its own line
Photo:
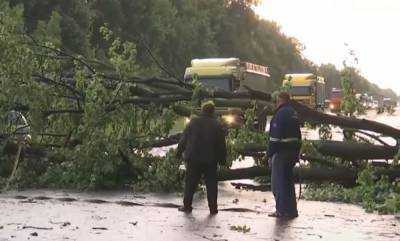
371 193
325 132
162 175
240 228
350 102
122 55
237 138
71 105
74 98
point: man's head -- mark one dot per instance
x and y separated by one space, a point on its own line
283 98
208 108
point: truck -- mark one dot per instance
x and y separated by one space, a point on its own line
389 103
229 74
232 75
336 98
307 89
365 100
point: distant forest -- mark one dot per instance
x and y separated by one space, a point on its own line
173 32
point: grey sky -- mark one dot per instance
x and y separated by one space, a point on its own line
370 27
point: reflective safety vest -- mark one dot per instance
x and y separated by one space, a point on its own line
284 132
285 140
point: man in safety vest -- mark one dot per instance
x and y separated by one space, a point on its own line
283 153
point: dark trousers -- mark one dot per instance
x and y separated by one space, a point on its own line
283 183
194 171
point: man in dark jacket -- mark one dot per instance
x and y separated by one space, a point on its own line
202 147
283 153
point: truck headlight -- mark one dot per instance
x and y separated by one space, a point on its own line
187 120
332 106
229 119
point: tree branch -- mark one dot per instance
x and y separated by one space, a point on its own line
57 112
61 53
44 79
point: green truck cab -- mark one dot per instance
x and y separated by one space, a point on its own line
307 89
231 75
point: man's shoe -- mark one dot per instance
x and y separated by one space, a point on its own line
287 215
213 211
276 214
185 209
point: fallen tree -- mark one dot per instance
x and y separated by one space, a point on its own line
316 117
312 116
103 122
28 151
304 175
347 150
355 151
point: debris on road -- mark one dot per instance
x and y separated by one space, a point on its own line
33 227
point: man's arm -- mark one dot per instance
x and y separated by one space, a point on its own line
221 146
298 135
275 132
183 141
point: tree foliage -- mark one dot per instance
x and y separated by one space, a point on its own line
72 67
371 193
61 94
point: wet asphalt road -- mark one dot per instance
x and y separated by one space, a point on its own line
33 219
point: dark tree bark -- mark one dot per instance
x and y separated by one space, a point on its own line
317 117
355 151
182 110
304 175
347 150
61 112
34 151
258 95
322 161
313 116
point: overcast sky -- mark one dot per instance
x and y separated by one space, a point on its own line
370 27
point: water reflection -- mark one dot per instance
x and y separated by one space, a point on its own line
192 223
281 230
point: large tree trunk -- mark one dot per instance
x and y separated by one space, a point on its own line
355 151
34 151
317 117
313 116
304 175
346 150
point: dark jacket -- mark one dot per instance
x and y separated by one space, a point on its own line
203 141
284 131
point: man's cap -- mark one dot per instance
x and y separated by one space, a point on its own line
284 96
208 107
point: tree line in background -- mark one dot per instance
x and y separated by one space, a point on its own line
173 32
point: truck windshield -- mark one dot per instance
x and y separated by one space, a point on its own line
217 83
300 90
